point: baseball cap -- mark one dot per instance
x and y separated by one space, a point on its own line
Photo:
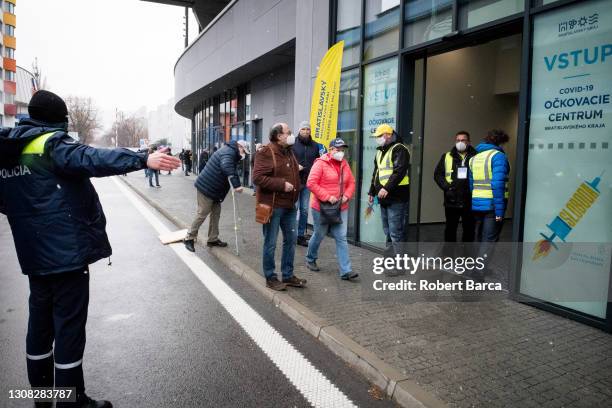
337 142
382 129
245 146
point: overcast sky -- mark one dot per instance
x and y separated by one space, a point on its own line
119 52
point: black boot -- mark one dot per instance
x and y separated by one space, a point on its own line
189 245
83 401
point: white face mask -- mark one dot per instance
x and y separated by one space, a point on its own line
461 146
242 156
338 156
380 141
291 140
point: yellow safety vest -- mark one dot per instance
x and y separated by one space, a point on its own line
37 145
482 173
448 166
385 166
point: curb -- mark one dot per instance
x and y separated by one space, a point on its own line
396 385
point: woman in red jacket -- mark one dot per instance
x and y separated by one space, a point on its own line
324 183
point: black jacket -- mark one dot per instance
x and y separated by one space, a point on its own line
53 209
401 166
212 181
456 194
305 153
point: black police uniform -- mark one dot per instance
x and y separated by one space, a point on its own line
58 226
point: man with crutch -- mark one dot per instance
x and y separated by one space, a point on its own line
212 185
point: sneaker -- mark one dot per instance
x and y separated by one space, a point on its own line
218 243
349 276
302 241
189 245
158 186
275 284
313 266
295 282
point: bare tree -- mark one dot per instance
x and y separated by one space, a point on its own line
83 118
126 131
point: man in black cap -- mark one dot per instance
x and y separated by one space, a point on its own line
59 229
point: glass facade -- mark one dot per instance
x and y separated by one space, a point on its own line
382 19
222 118
379 106
426 20
347 128
567 254
348 29
408 74
473 13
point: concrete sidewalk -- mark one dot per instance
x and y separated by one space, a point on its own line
460 354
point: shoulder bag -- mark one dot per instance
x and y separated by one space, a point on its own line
330 213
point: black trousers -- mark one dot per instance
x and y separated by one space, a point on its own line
453 215
58 313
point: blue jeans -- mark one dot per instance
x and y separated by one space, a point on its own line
338 232
303 205
283 219
394 223
487 233
151 174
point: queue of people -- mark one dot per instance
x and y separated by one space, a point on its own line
294 179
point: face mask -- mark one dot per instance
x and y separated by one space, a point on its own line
380 141
461 146
242 156
291 140
338 156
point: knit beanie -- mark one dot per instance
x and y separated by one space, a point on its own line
48 107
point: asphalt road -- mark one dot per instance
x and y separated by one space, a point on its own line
156 336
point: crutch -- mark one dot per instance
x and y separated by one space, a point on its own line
235 221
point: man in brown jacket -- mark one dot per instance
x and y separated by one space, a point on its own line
276 175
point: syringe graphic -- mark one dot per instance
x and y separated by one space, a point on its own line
582 199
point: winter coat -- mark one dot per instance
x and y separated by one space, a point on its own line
202 161
305 153
501 170
53 209
457 194
212 180
270 181
401 166
324 181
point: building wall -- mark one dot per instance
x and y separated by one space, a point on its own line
311 43
250 29
272 98
9 65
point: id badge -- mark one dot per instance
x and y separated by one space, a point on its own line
461 172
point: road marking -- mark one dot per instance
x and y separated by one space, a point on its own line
309 381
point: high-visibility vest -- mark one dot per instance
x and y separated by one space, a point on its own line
385 166
37 145
482 173
448 166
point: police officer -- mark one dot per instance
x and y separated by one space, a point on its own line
451 175
59 229
390 183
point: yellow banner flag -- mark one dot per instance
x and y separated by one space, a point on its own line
325 96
